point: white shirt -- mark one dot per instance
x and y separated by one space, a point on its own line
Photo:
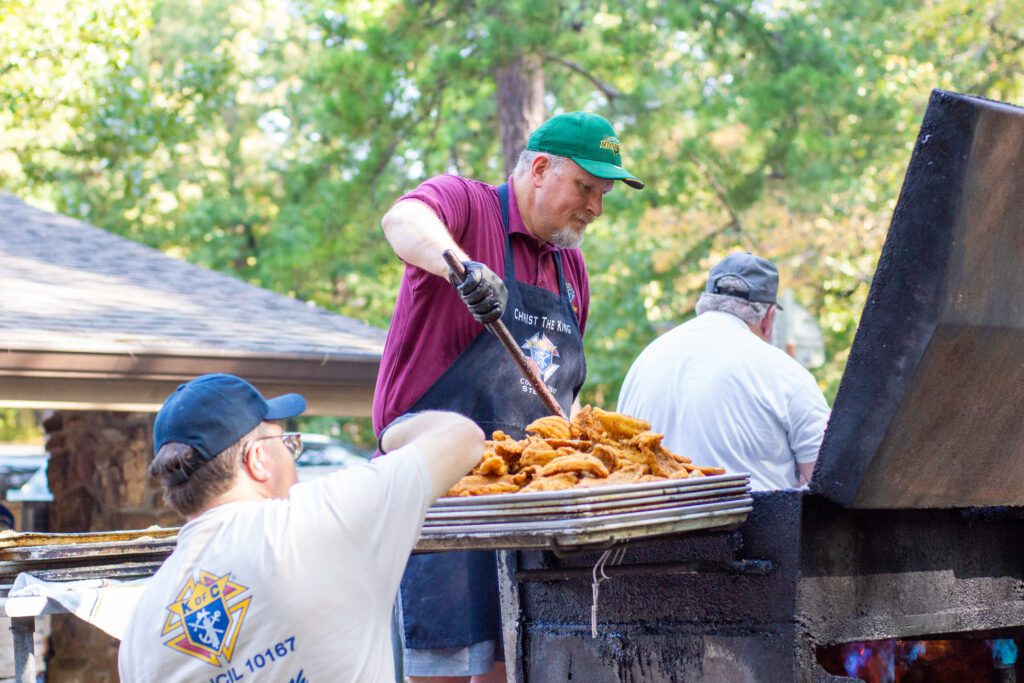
724 397
291 590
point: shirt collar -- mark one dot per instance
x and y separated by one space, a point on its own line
723 318
516 224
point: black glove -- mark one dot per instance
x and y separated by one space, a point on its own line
482 291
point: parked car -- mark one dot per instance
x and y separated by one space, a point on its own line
24 486
321 455
35 488
16 469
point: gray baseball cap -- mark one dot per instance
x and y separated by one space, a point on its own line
759 274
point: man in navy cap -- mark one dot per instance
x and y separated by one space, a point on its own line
721 393
272 578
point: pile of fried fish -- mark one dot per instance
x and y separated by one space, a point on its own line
597 448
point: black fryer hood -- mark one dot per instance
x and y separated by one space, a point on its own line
930 409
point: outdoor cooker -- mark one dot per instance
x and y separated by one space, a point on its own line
911 527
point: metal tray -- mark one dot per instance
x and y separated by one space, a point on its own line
676 500
563 524
609 531
580 495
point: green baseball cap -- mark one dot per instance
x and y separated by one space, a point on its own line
587 139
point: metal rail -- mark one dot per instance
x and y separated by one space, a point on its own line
745 567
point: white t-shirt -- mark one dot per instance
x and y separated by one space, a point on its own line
291 590
724 397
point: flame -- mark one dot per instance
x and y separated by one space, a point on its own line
892 661
917 649
1004 652
872 662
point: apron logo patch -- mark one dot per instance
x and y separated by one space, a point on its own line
543 353
572 298
206 617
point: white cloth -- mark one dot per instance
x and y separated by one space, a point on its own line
107 604
724 397
291 590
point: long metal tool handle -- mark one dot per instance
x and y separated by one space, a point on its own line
528 369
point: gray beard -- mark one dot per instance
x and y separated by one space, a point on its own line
566 238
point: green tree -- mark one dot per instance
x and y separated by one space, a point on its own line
267 139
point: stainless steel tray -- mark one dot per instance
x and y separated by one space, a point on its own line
600 507
562 524
572 535
514 500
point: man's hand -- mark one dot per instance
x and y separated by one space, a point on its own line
451 444
804 472
482 291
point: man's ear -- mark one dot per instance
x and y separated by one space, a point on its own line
254 460
768 323
541 164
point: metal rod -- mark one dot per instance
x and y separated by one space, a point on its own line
748 567
528 369
23 629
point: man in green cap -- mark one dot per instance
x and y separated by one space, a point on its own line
519 243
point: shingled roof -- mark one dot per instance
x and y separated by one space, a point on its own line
92 320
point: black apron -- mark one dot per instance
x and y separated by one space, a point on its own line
451 599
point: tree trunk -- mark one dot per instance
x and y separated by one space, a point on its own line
520 104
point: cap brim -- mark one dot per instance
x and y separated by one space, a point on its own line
602 169
283 407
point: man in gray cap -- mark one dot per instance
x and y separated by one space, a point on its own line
721 393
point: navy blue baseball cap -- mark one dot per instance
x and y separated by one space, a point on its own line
212 412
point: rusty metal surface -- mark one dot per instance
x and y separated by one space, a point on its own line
121 571
93 555
99 551
15 539
927 414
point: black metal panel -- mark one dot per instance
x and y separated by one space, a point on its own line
922 417
874 574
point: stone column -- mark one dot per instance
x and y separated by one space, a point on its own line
97 473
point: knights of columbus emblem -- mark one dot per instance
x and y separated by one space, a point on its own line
206 617
543 354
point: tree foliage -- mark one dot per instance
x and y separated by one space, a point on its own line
266 139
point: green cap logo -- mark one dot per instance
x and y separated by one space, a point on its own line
611 143
587 139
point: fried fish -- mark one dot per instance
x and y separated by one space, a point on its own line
596 448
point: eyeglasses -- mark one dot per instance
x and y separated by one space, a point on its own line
292 441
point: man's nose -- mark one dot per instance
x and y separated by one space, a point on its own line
595 204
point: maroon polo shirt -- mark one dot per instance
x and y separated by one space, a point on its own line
431 326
